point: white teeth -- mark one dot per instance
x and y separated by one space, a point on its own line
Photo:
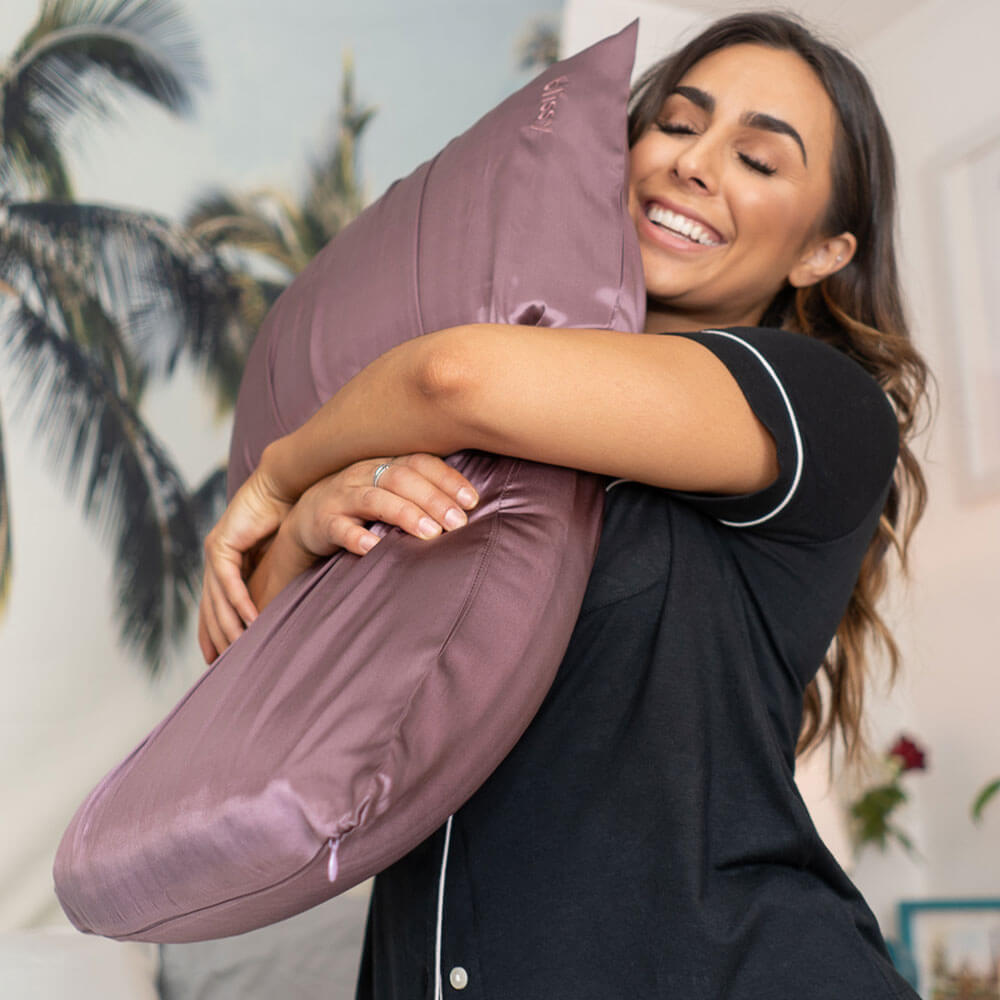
680 224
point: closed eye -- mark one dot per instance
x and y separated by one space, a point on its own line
758 166
671 128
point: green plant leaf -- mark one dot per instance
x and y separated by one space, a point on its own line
983 797
871 813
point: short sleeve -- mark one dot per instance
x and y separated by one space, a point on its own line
836 434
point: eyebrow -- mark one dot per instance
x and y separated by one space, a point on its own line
752 119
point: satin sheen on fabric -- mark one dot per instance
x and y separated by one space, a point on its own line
374 695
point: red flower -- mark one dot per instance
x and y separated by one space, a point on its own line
910 756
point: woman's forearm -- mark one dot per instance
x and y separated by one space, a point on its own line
393 406
662 410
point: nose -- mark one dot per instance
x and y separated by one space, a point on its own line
697 163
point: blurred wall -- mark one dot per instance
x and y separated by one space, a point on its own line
935 73
73 704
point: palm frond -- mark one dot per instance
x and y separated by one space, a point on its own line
538 44
80 58
130 489
266 226
64 292
168 292
30 160
334 195
259 222
209 501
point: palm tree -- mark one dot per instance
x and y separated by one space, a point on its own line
77 59
95 301
538 44
267 237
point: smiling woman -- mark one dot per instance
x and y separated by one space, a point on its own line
742 174
644 837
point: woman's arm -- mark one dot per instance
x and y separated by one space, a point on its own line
657 409
419 493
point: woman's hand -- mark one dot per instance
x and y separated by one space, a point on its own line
253 515
419 493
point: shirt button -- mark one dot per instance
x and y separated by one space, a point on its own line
458 978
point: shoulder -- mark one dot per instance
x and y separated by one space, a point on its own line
835 429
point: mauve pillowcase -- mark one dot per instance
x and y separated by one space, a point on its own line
375 694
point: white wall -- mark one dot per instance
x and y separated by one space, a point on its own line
661 26
936 75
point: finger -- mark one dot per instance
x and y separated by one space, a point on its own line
444 476
377 504
226 618
351 534
330 531
208 650
412 485
210 617
225 565
215 634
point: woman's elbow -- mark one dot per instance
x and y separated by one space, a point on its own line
446 371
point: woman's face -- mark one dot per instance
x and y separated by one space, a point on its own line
729 187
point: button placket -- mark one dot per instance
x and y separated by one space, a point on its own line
458 965
438 991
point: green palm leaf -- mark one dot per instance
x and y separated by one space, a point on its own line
334 195
31 160
209 501
538 44
78 60
260 222
128 486
38 272
167 292
264 238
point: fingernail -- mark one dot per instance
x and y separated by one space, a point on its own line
368 542
454 518
467 497
429 528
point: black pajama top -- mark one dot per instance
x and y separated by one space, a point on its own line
645 838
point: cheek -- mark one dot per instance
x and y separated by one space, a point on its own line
645 157
777 220
770 212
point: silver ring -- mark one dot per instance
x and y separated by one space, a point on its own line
379 471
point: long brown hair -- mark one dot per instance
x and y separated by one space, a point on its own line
858 310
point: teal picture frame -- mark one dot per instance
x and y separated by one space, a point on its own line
950 948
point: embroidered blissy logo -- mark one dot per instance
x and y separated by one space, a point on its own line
547 110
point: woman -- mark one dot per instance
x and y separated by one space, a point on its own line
645 838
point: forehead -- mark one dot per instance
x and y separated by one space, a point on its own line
757 78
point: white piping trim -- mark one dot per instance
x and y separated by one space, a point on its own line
438 988
795 432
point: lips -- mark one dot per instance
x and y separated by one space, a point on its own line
669 217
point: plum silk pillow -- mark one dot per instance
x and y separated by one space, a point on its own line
375 694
